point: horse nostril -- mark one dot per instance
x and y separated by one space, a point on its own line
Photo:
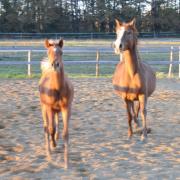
57 64
120 46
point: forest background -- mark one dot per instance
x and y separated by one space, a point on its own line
75 16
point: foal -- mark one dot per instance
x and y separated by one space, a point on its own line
132 80
56 95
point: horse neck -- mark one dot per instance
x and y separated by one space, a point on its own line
57 79
130 59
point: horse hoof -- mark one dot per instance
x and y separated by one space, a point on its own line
149 130
143 138
66 144
129 136
66 166
56 136
130 133
141 131
48 156
53 145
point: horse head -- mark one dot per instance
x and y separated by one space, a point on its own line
54 52
126 36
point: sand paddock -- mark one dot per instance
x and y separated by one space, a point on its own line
99 148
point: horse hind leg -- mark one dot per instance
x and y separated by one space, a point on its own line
143 102
66 112
135 112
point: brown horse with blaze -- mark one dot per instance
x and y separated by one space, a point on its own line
133 80
56 95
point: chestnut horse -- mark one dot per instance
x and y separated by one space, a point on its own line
133 80
56 95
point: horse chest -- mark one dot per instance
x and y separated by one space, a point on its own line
125 86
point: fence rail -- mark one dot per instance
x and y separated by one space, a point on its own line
87 62
97 61
94 35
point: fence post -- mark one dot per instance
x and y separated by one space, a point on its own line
29 63
179 61
170 63
97 63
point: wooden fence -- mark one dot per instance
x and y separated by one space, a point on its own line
97 62
94 35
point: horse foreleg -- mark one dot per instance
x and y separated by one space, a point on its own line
51 126
65 116
137 108
129 108
143 102
57 126
135 111
45 120
66 157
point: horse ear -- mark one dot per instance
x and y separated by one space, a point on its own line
133 23
118 23
46 43
61 43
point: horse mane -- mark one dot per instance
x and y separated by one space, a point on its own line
136 44
45 65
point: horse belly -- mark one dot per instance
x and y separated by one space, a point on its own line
151 79
56 107
152 83
131 96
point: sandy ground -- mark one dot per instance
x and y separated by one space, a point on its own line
99 148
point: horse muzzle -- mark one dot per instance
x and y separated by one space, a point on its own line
122 48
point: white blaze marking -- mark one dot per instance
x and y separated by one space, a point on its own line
55 49
51 41
120 34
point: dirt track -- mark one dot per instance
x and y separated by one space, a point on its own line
99 148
